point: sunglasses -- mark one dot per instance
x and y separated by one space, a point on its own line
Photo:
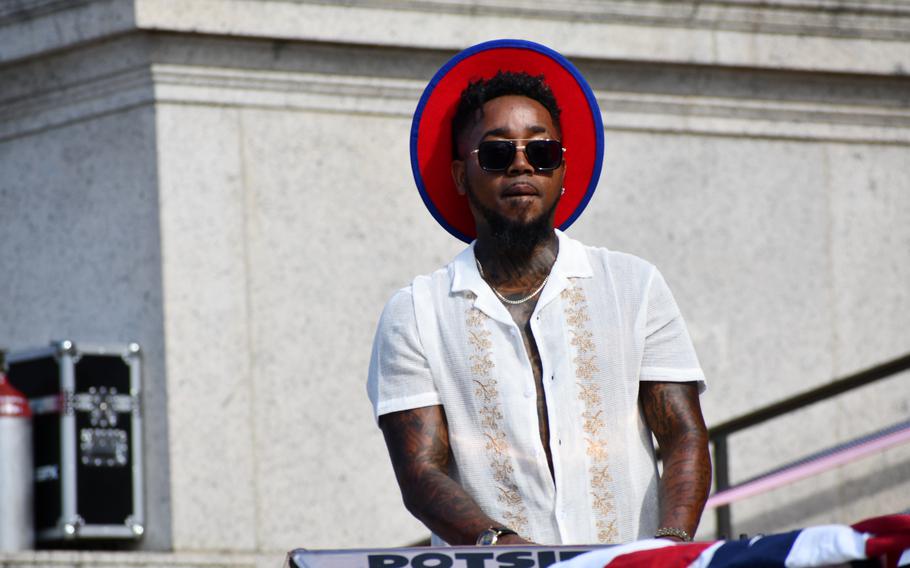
497 155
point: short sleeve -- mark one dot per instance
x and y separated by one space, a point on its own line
399 377
668 351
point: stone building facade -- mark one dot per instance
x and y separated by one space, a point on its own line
227 182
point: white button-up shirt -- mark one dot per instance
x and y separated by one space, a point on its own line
604 322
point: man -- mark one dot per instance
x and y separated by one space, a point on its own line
518 387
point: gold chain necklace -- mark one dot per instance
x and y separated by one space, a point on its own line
503 298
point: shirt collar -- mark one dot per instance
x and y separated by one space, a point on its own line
571 262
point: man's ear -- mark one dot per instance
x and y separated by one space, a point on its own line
458 176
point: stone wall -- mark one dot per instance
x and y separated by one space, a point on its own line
228 183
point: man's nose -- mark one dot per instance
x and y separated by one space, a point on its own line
520 164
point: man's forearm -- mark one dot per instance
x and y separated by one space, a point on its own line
418 446
444 507
674 416
685 482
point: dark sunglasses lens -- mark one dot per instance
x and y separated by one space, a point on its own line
544 154
495 155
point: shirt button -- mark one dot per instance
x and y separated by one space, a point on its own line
528 394
513 331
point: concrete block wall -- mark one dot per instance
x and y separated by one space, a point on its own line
227 182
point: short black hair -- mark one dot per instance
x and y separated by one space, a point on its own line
478 93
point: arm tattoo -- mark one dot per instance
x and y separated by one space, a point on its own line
673 414
418 443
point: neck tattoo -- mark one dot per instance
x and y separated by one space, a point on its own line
503 298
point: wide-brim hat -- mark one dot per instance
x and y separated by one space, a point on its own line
431 139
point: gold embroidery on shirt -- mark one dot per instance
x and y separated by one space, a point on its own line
593 422
496 443
585 366
502 473
583 339
475 320
490 416
516 519
600 474
480 339
574 295
485 391
586 369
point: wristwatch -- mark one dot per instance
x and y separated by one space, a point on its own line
490 536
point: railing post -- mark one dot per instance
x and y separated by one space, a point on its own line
722 481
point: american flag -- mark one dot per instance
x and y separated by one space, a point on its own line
885 541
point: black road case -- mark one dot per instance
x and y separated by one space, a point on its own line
87 437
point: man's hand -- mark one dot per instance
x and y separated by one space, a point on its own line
418 443
674 416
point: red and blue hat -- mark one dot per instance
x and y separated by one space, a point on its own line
431 139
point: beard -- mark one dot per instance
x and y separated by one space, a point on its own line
512 238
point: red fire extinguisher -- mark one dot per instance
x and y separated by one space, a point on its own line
16 487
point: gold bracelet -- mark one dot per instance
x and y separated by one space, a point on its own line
673 531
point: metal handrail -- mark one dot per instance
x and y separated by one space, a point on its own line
814 464
718 434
